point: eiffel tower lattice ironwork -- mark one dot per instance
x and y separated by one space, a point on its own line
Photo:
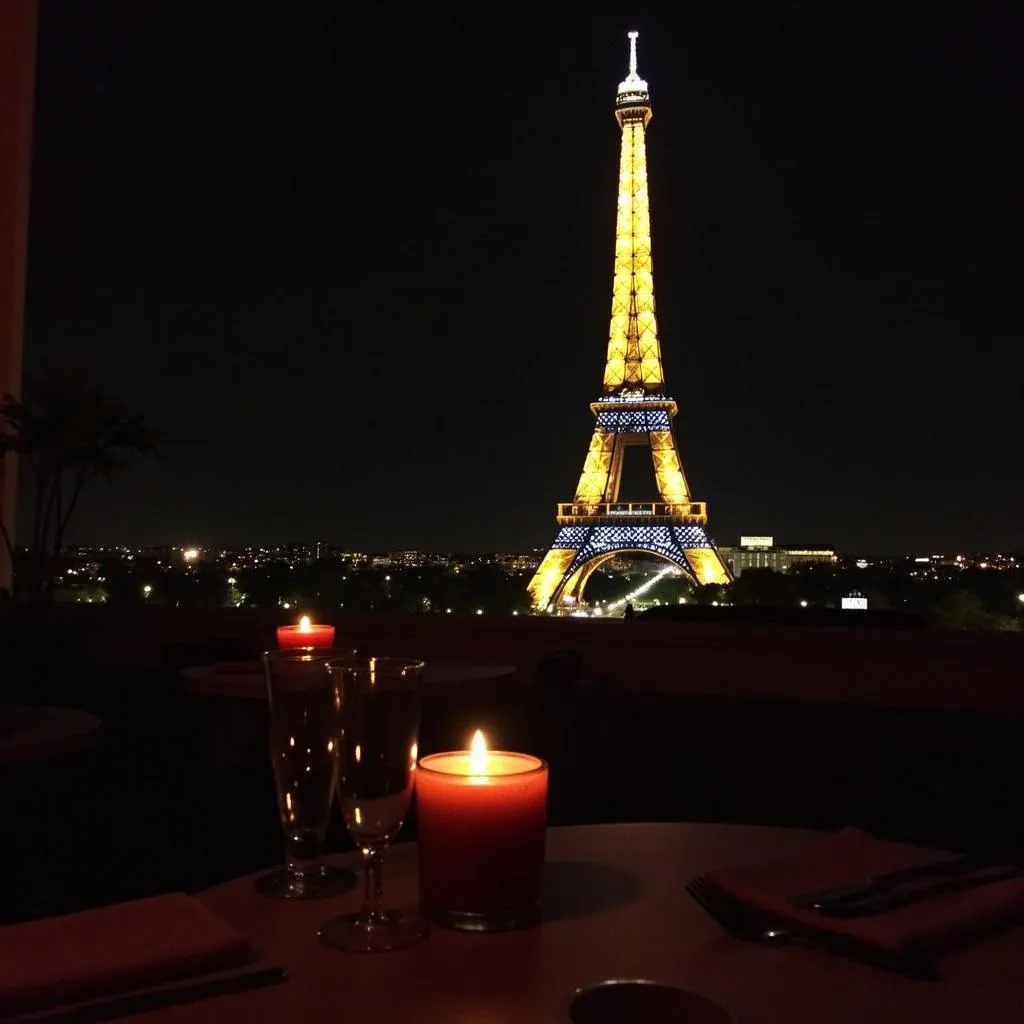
633 410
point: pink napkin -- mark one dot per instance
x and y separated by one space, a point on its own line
249 667
850 855
113 949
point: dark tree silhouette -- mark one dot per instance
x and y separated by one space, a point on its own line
67 432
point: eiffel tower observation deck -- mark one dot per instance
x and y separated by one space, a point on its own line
633 410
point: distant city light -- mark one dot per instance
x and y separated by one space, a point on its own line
803 604
147 590
190 554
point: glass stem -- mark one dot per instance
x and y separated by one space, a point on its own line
304 850
374 903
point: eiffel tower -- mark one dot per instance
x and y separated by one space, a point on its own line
633 410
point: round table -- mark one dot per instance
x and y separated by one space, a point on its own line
28 731
441 678
616 907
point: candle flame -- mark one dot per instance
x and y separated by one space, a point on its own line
478 754
305 626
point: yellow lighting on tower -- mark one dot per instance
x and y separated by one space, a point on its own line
633 410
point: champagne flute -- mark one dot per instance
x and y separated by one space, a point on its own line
379 704
303 737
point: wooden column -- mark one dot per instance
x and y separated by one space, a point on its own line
17 82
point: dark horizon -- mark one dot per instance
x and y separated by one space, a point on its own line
356 267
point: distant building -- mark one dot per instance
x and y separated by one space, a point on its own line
763 553
519 562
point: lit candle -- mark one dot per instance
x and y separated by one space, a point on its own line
481 819
305 634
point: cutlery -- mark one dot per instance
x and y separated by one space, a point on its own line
890 899
861 887
157 999
753 925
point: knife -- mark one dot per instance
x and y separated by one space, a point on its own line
890 899
862 887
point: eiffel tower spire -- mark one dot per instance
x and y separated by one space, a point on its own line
632 411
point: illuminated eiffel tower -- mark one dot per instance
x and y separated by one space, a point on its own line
633 410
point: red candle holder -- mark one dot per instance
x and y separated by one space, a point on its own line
305 634
481 823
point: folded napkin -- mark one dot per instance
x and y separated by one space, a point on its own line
850 855
249 667
111 950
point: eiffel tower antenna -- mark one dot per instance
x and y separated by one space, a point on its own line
632 76
633 410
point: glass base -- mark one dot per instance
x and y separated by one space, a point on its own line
305 884
499 921
396 929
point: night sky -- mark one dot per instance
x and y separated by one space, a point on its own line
354 261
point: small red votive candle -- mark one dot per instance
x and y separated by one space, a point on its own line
481 819
305 634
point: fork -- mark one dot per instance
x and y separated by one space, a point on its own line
753 925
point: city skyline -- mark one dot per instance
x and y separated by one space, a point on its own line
382 319
332 549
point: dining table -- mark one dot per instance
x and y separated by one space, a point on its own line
615 907
30 732
442 677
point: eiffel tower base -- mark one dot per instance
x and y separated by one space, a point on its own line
580 549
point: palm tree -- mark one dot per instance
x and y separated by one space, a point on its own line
67 432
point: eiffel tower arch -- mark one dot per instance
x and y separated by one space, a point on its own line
633 410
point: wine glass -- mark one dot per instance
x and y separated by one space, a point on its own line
303 738
379 704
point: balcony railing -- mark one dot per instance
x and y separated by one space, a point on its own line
690 511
